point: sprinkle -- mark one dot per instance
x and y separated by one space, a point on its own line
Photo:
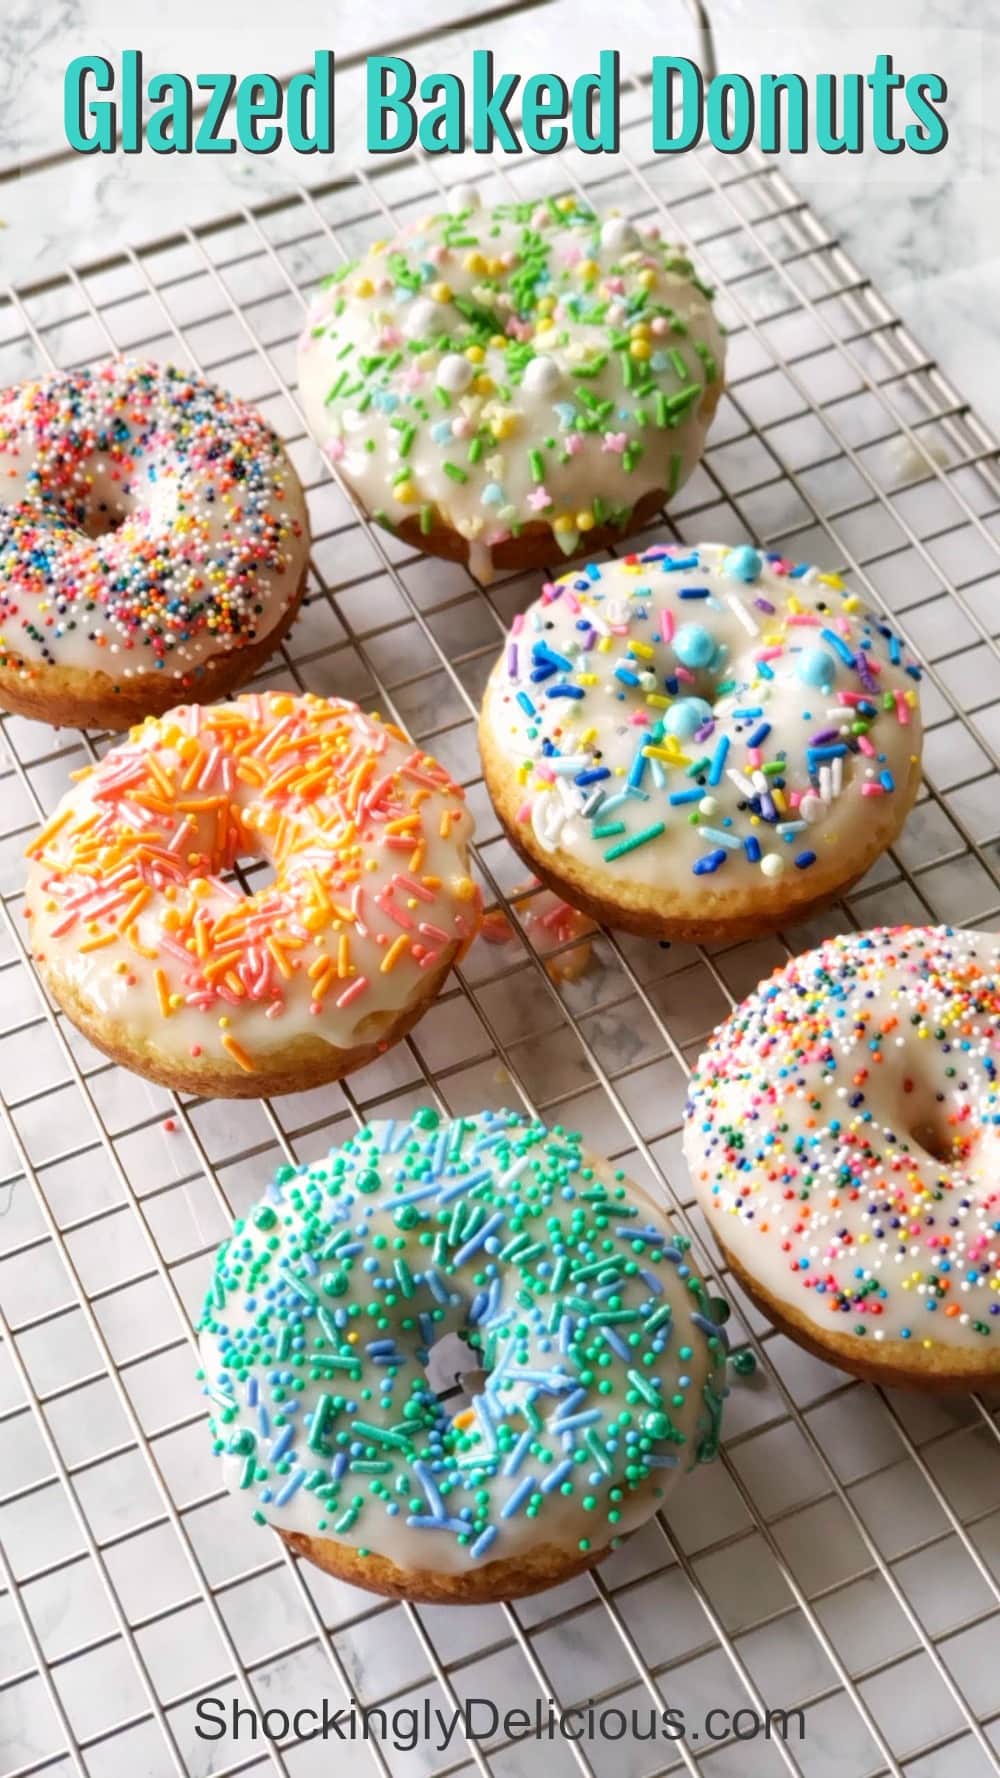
715 770
240 1056
635 841
839 645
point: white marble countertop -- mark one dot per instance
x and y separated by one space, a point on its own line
924 228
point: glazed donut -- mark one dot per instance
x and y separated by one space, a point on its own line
601 1358
701 743
500 385
842 1137
172 971
153 543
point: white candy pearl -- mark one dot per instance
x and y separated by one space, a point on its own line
463 197
421 316
617 234
541 375
772 865
454 373
708 806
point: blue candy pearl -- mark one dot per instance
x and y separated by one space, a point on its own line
742 564
685 718
693 646
818 668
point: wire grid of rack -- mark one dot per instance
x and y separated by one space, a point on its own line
844 1553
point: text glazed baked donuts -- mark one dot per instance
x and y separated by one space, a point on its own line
701 742
601 1358
502 385
153 543
170 970
842 1139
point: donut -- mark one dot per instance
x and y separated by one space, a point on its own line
599 1358
153 543
501 385
171 970
701 743
841 1132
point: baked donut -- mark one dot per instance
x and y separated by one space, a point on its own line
153 543
172 971
842 1136
701 743
500 385
600 1358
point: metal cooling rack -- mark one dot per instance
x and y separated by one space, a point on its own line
844 1554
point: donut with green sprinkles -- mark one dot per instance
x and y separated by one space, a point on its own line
592 1354
701 742
532 370
151 527
843 1134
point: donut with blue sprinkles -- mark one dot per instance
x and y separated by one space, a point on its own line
701 742
592 1354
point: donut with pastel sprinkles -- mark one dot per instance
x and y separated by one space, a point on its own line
506 385
597 1357
154 543
842 1133
701 743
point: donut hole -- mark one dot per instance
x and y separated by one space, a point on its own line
103 518
254 871
454 1372
936 1138
928 1125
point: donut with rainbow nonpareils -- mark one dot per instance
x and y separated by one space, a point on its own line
842 1134
154 543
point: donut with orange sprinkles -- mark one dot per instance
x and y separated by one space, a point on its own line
843 1133
212 985
154 543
